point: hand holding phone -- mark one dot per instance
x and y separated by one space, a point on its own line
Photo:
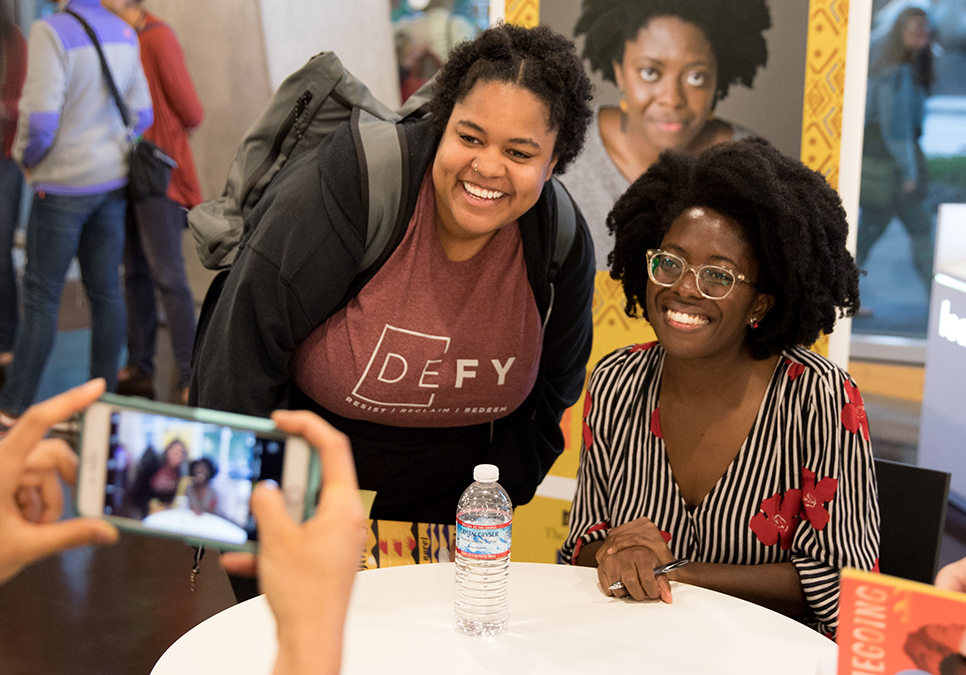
31 498
306 569
188 473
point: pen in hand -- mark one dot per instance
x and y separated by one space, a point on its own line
663 569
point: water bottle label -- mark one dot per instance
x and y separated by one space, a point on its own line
483 542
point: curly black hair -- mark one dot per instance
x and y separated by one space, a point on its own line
541 61
792 218
205 461
733 27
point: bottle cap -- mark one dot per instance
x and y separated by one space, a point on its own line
486 473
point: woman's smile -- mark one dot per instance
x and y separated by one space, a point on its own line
685 320
495 156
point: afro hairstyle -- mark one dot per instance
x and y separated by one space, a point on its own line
539 60
790 216
733 27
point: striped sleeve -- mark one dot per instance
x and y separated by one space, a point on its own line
589 515
839 500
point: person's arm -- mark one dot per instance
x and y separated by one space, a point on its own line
302 256
43 96
589 512
137 97
31 497
307 569
952 577
528 441
161 44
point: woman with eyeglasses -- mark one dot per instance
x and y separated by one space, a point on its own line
726 442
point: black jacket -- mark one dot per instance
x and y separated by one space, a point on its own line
296 270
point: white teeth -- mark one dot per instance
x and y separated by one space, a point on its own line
481 193
689 319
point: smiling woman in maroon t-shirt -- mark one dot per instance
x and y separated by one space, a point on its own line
459 350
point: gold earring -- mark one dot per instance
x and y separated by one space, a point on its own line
623 106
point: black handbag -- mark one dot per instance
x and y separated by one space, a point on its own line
149 167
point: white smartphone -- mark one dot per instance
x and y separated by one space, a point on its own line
187 473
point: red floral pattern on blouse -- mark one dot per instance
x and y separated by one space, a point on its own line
794 369
779 520
814 498
588 434
853 412
656 423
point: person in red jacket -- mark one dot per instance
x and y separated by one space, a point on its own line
13 70
153 254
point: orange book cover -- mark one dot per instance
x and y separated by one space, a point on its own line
891 626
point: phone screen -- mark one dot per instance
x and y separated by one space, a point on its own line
188 477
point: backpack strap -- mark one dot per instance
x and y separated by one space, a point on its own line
566 229
382 179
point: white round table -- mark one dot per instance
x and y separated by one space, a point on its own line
401 621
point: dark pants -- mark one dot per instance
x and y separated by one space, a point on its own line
911 212
893 202
90 227
153 257
11 186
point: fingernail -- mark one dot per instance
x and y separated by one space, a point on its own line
271 484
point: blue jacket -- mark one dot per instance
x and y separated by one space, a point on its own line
70 135
898 105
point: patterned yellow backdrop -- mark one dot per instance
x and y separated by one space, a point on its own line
541 526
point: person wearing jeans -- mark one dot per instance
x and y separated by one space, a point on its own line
153 256
73 147
60 227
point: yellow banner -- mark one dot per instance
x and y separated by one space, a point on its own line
828 23
524 13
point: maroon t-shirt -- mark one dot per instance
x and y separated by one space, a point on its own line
429 342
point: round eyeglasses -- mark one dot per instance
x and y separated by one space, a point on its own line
713 282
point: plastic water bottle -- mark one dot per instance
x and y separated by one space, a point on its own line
484 518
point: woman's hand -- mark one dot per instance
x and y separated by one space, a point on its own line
306 570
952 577
31 497
629 555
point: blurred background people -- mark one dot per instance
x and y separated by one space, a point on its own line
73 146
13 70
153 255
673 61
425 39
895 177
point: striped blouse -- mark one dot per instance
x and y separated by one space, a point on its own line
801 489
